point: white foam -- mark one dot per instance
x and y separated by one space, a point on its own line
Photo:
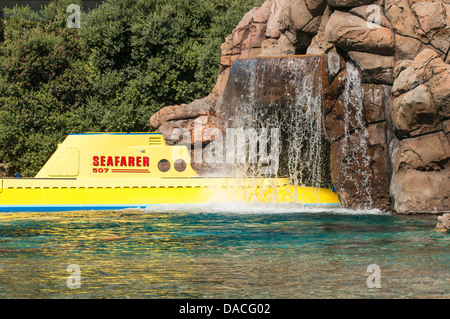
240 208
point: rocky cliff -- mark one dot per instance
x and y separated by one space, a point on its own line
395 54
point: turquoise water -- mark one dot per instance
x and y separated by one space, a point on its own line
222 252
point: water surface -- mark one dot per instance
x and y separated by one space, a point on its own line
222 252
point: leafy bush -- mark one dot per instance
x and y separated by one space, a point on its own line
129 59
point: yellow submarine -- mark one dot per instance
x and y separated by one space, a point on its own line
110 171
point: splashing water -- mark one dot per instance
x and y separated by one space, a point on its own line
276 104
356 155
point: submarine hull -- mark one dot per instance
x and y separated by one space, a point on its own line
46 195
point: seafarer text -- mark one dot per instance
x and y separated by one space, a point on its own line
130 161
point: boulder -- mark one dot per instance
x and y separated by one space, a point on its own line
352 33
296 16
335 63
443 224
256 36
276 47
189 131
421 174
178 112
319 43
403 20
375 68
275 18
247 19
421 95
407 47
433 19
263 13
372 13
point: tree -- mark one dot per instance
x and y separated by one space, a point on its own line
129 59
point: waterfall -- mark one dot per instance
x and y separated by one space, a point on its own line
271 114
355 140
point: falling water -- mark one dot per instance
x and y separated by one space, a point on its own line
279 100
355 145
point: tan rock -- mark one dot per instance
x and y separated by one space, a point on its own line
439 86
275 18
420 70
414 110
403 19
263 13
421 95
178 112
273 47
407 47
421 174
251 53
373 13
431 16
247 19
225 60
319 43
227 46
238 36
353 33
375 68
335 63
443 224
257 34
221 83
401 66
189 131
297 15
434 22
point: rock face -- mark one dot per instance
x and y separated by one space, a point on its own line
443 224
400 117
421 173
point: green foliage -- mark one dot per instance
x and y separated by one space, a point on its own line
129 59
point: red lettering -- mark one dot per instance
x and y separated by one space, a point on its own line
121 161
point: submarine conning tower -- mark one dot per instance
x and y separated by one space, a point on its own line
117 155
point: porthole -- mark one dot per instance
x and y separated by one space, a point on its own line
180 165
164 165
